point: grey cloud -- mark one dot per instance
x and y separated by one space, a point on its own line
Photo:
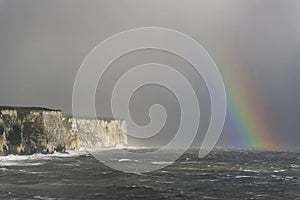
42 44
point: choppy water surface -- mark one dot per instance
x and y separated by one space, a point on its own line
223 174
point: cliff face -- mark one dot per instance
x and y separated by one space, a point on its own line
95 133
26 131
31 130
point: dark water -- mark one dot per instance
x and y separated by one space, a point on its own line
221 175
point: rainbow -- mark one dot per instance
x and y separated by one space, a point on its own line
245 111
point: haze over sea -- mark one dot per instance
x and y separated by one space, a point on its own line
223 174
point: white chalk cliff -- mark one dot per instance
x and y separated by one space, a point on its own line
30 130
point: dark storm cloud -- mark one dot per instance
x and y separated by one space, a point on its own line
42 44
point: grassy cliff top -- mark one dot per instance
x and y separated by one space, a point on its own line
19 108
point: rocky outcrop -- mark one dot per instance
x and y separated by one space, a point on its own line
31 130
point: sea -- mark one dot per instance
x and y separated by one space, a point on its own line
222 174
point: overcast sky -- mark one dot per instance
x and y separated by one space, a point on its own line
43 43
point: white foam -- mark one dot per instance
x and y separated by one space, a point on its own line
125 160
295 166
239 176
162 163
279 170
21 160
4 169
128 160
43 198
188 162
251 170
8 163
